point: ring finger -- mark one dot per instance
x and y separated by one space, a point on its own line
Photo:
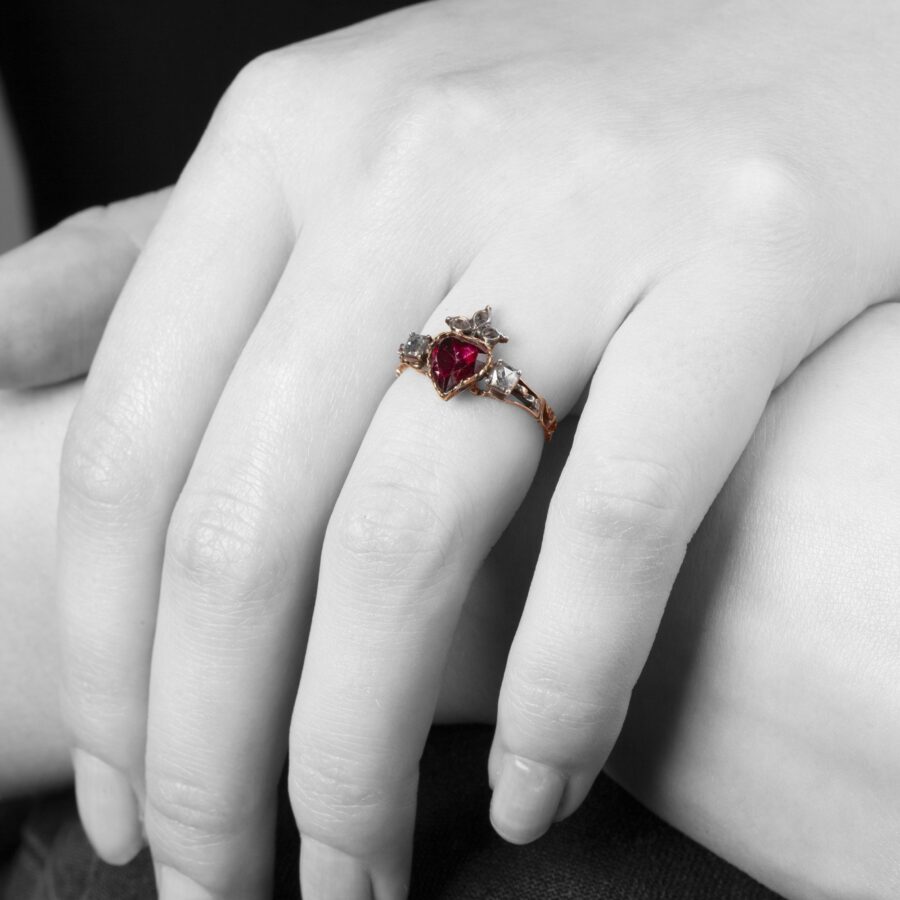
430 491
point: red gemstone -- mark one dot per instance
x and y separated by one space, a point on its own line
453 361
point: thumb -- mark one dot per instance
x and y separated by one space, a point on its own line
58 289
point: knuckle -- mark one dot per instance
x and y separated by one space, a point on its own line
100 701
429 122
766 197
259 80
279 83
103 467
345 797
219 538
621 500
94 701
183 811
277 86
392 528
450 103
572 716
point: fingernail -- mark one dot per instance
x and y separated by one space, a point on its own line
525 799
327 873
108 809
172 885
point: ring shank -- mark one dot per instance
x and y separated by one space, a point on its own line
521 395
532 402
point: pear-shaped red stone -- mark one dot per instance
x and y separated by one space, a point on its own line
453 361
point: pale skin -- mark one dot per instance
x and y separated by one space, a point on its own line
769 734
701 194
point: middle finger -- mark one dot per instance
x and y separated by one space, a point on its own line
242 546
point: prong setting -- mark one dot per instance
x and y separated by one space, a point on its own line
461 359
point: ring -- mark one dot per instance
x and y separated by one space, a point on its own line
463 359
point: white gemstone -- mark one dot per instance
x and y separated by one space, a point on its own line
503 378
459 323
415 345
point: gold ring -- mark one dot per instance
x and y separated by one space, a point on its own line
462 359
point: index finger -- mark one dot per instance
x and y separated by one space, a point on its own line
154 383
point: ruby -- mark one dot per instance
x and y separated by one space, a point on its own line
452 362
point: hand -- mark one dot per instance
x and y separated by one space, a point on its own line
732 703
613 181
58 289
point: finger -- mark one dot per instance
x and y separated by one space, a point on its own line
214 257
34 753
672 405
472 676
58 289
430 490
244 541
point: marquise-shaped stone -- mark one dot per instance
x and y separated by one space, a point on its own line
459 323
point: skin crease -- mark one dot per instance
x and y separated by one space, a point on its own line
765 723
677 203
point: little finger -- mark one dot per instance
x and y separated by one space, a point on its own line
672 405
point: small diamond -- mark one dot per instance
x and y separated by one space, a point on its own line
503 378
415 346
491 336
459 323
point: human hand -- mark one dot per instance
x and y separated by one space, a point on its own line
755 681
58 289
706 230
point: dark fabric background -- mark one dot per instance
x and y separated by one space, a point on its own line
110 97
